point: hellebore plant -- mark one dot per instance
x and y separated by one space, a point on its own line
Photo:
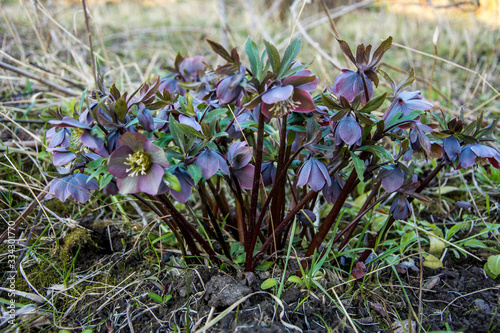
252 144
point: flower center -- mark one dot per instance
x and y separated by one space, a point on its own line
482 161
139 162
74 140
281 108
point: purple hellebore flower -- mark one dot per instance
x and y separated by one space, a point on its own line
61 156
59 138
146 119
392 178
478 154
268 171
169 83
210 162
76 185
418 138
190 122
186 183
189 67
137 164
350 84
229 89
406 102
239 156
451 148
306 217
400 208
332 192
234 131
314 173
347 130
292 95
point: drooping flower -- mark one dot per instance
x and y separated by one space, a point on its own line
451 148
75 185
239 156
332 192
210 162
406 102
473 154
145 118
400 208
313 173
351 83
347 130
268 172
392 177
186 183
137 164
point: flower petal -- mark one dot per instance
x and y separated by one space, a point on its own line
394 180
128 185
150 182
349 130
116 162
68 122
156 153
245 176
135 141
277 94
304 98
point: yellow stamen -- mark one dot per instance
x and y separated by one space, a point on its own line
279 109
139 162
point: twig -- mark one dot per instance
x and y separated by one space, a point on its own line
89 35
46 82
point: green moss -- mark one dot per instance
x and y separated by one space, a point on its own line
73 240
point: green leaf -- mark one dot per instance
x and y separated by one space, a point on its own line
295 279
167 298
189 131
358 165
175 132
492 266
121 109
290 53
379 151
95 163
105 180
252 52
82 99
436 246
215 114
220 50
475 243
453 230
99 170
173 182
195 172
374 103
432 262
273 56
269 283
155 297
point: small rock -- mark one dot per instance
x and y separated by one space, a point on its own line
431 283
482 306
223 291
404 326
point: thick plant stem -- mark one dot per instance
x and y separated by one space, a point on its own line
332 216
391 221
179 218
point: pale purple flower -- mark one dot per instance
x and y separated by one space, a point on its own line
392 177
186 182
473 154
210 162
239 156
314 174
347 130
451 148
350 84
137 164
75 185
406 102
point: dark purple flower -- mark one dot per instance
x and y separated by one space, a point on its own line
169 83
306 217
137 164
392 177
189 68
59 138
400 208
190 122
451 148
347 130
418 138
350 84
76 185
234 131
227 91
61 156
313 173
186 183
69 122
268 171
332 192
473 154
239 156
146 119
210 162
406 102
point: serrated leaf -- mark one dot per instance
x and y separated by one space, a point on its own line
432 262
358 165
220 50
295 279
268 283
273 56
374 103
379 151
290 53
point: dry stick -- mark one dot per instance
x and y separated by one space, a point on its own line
333 26
46 82
89 35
